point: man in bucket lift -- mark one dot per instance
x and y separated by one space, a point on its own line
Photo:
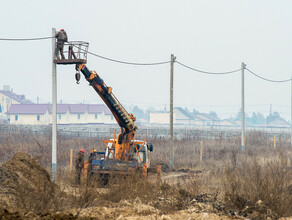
61 39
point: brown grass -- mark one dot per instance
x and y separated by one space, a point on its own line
255 181
242 178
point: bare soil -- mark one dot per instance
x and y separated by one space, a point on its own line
23 178
27 192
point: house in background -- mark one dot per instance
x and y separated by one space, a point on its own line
278 122
34 114
96 113
226 123
182 117
159 118
7 98
41 114
205 119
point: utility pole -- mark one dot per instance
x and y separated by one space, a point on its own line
54 109
242 108
171 156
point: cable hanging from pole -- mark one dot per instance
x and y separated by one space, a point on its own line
211 73
25 39
124 62
266 79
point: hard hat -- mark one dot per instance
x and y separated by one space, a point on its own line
82 150
61 29
94 150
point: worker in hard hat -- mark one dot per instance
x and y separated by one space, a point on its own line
61 39
90 158
79 163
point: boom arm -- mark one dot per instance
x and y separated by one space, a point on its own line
123 118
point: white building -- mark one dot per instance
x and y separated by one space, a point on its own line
41 114
7 98
182 117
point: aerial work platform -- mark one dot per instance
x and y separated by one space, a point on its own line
75 52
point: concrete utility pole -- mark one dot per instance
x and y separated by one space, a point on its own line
171 156
54 110
242 108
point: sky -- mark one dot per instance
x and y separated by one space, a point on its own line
209 35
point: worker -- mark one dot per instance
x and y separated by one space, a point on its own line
91 156
61 39
90 159
79 163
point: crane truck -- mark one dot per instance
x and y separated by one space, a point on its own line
123 154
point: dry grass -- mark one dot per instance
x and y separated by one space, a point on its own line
254 181
242 178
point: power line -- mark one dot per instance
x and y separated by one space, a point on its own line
148 64
211 73
269 80
94 54
25 39
124 62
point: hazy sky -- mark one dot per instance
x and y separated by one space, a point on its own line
208 35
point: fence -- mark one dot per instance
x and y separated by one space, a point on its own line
107 131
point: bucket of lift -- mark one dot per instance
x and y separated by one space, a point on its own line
74 52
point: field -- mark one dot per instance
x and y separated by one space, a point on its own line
226 184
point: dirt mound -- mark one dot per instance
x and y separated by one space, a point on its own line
9 215
131 210
5 214
25 185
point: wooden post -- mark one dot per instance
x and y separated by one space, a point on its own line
86 164
158 171
201 153
274 142
71 160
144 170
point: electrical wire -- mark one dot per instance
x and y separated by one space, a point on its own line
123 62
211 73
269 80
149 64
25 39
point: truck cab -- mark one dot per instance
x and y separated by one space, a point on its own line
141 157
104 164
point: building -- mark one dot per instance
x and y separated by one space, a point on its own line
7 98
180 117
278 122
41 114
159 118
226 123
